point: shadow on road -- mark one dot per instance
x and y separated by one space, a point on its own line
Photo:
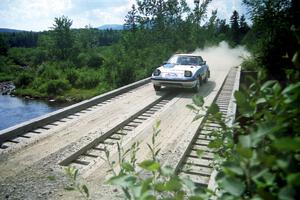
205 90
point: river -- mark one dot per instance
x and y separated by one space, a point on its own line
14 110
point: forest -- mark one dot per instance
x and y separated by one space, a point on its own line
74 64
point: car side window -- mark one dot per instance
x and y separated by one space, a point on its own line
200 59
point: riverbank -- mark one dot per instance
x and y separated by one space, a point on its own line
6 87
72 95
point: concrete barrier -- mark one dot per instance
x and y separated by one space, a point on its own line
20 129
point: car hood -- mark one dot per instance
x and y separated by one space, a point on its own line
178 68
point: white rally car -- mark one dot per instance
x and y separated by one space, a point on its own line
181 70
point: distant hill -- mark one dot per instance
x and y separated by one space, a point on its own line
8 30
111 26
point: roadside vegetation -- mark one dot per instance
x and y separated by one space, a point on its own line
75 64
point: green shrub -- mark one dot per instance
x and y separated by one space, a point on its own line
49 72
88 79
250 64
37 83
5 77
56 87
72 76
94 60
82 59
64 64
23 79
38 56
90 59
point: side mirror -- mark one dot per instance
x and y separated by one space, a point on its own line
204 62
165 62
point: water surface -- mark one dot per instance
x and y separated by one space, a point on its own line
14 110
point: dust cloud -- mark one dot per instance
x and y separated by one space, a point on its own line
222 57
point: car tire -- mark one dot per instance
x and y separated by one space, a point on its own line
196 89
205 79
157 87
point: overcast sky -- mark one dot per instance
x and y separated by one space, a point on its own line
38 15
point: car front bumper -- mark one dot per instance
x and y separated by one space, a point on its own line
180 83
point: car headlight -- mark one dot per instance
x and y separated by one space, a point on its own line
156 72
188 73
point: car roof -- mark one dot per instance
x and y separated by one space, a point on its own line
186 54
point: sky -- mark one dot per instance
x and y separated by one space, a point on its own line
38 15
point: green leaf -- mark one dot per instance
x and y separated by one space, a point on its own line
195 198
150 165
198 116
282 163
167 170
86 191
262 130
191 107
257 174
149 197
244 152
69 188
179 195
146 185
291 88
217 143
232 185
75 172
234 168
260 101
157 124
188 183
213 109
127 167
198 100
199 153
269 178
174 184
245 141
240 97
267 84
287 144
160 187
287 193
123 180
276 88
245 108
294 179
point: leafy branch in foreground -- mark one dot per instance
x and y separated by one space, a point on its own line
259 156
72 174
152 180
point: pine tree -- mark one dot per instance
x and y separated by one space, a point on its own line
235 27
131 19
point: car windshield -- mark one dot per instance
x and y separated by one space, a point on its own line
185 60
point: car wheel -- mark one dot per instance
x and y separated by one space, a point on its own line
157 87
197 86
205 79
